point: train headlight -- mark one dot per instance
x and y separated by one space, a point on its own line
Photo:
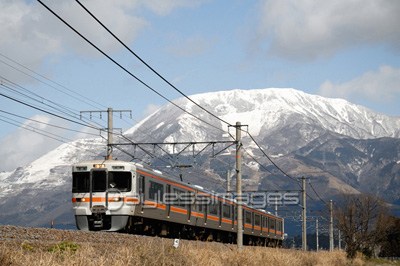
116 199
99 165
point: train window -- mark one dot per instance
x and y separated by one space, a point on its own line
272 223
226 211
200 202
248 217
80 182
99 181
179 198
120 181
156 191
141 185
257 219
213 209
265 222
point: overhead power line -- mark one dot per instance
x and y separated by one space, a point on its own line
47 124
47 135
51 86
259 147
50 113
321 199
148 66
124 69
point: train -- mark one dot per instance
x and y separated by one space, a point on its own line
120 196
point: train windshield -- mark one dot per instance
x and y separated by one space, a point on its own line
120 181
117 181
99 180
80 182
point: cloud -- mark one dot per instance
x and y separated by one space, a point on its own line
150 109
163 7
23 146
379 86
307 30
30 34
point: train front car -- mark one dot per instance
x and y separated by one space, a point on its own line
103 195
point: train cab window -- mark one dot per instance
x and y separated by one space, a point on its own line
257 220
156 191
120 181
80 182
248 217
99 181
226 211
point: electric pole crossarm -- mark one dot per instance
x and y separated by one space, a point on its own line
110 113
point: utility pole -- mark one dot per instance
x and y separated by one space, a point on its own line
340 244
331 247
276 206
304 216
316 232
239 186
110 113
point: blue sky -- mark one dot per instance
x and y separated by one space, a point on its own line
343 49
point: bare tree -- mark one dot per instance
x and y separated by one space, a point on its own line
362 218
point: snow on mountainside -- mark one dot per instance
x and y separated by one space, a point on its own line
266 110
49 170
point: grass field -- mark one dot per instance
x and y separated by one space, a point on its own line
36 246
161 252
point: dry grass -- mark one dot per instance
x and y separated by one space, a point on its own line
155 251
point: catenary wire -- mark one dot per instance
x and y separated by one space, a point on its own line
40 122
123 68
148 66
51 86
35 130
40 99
309 182
53 82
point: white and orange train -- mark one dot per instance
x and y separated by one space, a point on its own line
123 196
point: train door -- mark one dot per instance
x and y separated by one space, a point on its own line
189 202
233 208
220 212
141 190
168 204
98 184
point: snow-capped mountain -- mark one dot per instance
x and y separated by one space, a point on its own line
339 145
267 112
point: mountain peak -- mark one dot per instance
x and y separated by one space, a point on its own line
274 108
